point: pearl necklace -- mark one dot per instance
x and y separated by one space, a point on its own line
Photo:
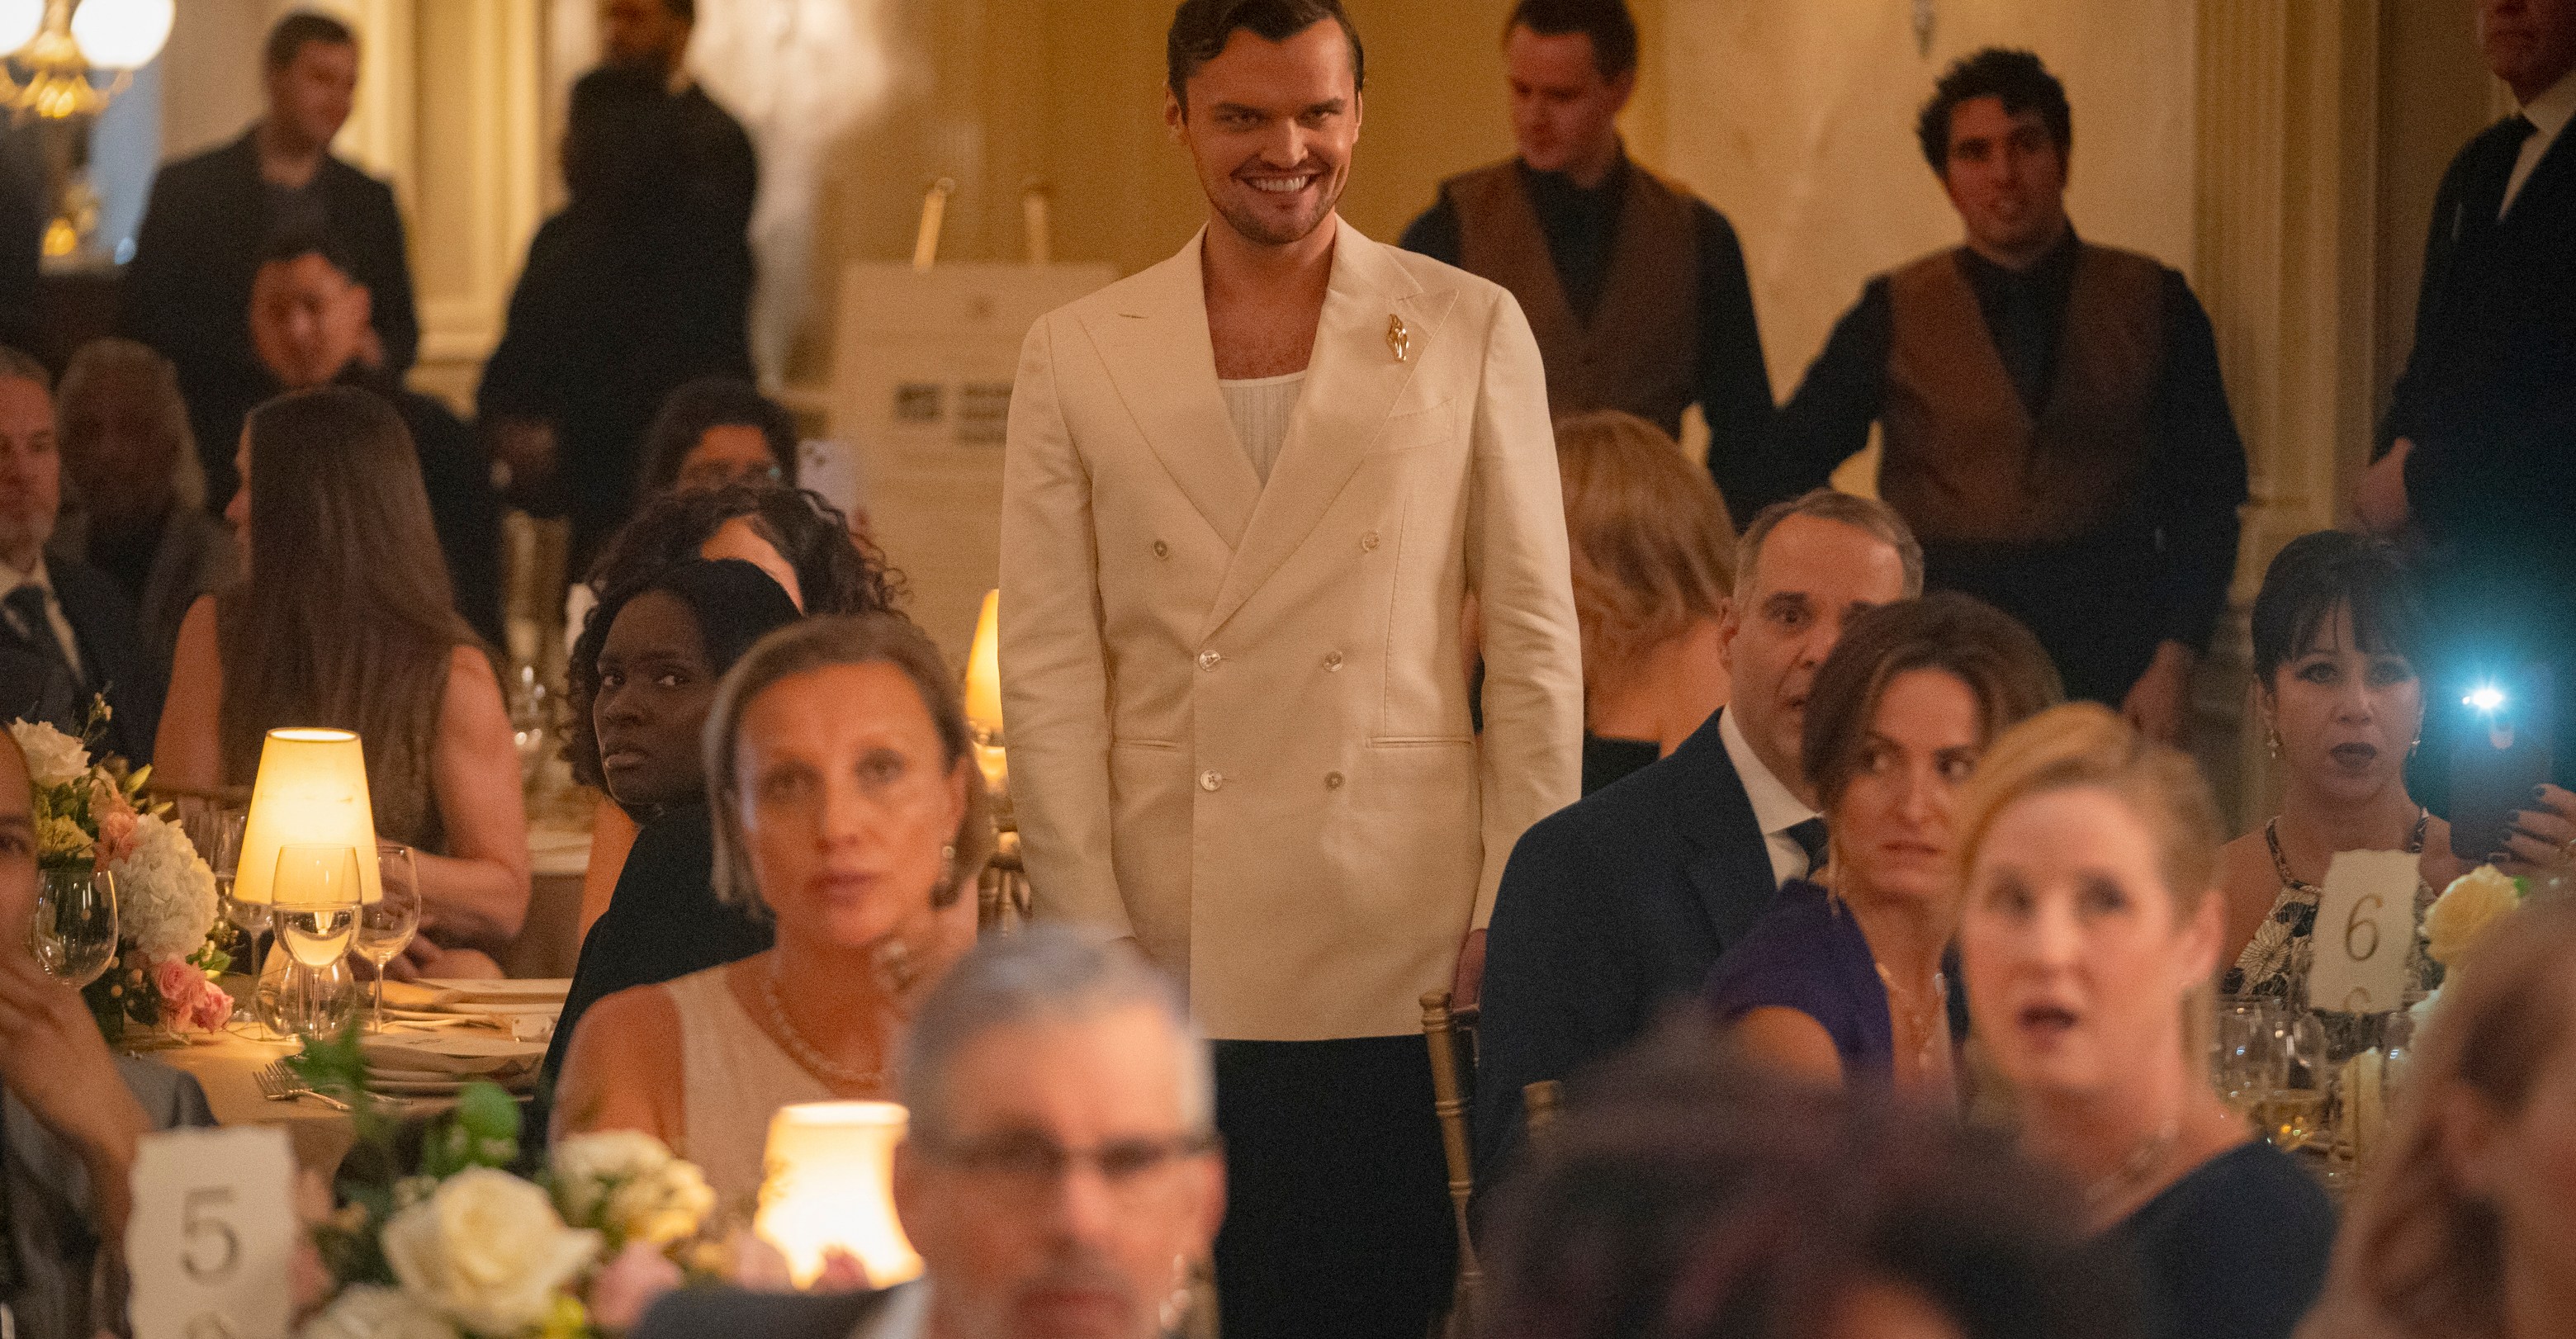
832 1072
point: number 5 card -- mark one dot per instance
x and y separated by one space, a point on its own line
213 1235
2365 928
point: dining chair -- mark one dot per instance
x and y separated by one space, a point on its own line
1441 1033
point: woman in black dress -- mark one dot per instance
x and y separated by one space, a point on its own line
2088 941
668 639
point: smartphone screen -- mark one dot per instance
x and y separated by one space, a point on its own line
2501 757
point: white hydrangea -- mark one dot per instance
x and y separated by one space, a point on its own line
165 894
364 1311
53 758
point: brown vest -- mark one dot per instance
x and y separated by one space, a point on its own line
1965 462
1640 351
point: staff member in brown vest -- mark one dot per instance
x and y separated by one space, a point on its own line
1635 289
2054 427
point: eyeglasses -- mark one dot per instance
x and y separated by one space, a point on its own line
1032 1165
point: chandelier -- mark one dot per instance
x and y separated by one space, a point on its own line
55 46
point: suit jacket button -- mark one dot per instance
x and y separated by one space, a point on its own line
1162 550
1209 660
1209 780
1332 660
1368 542
1332 781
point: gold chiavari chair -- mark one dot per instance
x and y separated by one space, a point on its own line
1440 1032
1540 1101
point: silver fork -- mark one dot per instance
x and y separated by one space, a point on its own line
277 1083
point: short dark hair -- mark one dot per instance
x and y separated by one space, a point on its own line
1201 28
714 402
1608 23
297 243
2001 663
301 29
1685 1193
18 365
2016 77
686 11
2314 574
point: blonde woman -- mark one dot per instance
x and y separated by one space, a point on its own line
2088 941
1650 542
2468 1228
847 810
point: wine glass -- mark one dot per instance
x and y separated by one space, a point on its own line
2293 1111
2244 1063
73 933
317 894
386 925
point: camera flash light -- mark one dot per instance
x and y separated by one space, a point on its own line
2485 697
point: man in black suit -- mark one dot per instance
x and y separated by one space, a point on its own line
1061 1167
211 218
2481 434
67 634
1616 906
642 282
308 324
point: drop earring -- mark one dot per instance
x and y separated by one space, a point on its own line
2272 743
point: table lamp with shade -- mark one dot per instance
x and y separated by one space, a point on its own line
311 791
984 696
828 1183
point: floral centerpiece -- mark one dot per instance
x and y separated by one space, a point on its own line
459 1246
2465 914
90 815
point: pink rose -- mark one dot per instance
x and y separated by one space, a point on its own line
842 1272
629 1286
115 833
214 1009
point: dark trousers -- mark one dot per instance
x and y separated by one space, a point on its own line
1337 1213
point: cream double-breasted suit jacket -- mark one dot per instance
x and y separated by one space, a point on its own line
1237 713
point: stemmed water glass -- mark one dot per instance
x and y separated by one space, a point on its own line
73 933
386 925
2245 1061
318 893
2293 1111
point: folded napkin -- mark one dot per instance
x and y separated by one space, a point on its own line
532 992
450 1052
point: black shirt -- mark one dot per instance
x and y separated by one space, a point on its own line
2193 486
2235 1250
1581 225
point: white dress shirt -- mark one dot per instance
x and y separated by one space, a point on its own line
11 579
1774 807
2548 114
906 1314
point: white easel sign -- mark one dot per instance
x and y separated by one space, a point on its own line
2365 928
213 1235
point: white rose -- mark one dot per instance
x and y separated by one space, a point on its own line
627 1182
2465 910
165 894
53 757
363 1311
488 1251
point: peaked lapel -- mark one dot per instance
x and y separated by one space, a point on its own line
1155 345
1730 865
1352 379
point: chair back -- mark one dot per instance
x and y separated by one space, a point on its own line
1449 1103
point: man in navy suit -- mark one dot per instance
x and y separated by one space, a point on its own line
1616 906
2481 433
67 634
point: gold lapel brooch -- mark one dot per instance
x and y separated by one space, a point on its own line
1399 341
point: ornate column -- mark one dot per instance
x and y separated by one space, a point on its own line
2285 245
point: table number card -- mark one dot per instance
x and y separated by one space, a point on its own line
2365 926
213 1235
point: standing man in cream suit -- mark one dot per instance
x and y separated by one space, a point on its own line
1249 492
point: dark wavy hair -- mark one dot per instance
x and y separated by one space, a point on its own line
2314 574
1685 1195
2016 77
714 402
1201 28
835 574
2002 664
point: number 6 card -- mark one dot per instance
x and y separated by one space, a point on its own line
213 1235
2365 928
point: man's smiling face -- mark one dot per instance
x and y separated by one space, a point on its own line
1270 127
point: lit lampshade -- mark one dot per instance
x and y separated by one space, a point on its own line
121 34
19 20
311 790
984 669
830 1182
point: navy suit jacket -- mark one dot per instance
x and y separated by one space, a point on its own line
104 626
1611 909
